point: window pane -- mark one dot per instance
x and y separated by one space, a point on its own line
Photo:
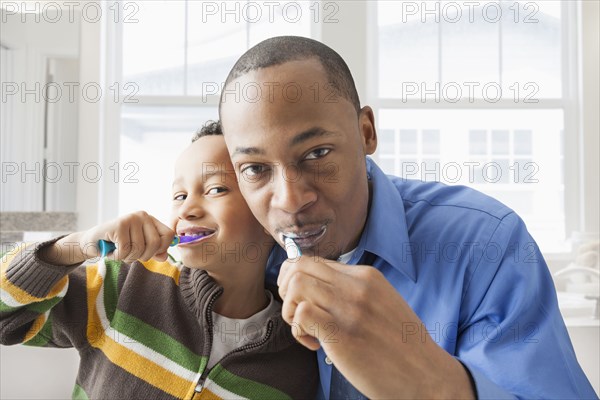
463 149
408 141
478 142
408 48
469 45
498 171
151 140
431 141
500 143
386 141
153 59
215 41
531 48
522 141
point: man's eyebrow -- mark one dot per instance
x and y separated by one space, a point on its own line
248 151
299 138
309 134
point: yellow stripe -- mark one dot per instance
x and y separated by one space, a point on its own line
19 294
163 268
95 330
37 326
121 356
208 395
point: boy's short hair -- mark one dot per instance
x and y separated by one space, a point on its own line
209 128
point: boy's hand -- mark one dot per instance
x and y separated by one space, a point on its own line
137 236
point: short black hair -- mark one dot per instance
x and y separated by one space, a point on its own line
281 49
209 128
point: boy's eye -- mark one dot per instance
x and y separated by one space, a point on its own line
318 153
180 197
216 190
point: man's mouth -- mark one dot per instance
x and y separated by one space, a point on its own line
305 238
193 235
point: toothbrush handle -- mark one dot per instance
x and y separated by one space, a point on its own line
107 247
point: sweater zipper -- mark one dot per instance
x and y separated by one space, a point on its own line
249 346
202 379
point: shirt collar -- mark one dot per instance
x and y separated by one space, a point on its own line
386 233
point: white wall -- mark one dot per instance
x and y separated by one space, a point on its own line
28 45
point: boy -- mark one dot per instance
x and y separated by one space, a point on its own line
152 330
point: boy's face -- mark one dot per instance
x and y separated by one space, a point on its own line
207 203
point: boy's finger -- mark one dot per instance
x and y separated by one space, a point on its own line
137 244
166 234
152 241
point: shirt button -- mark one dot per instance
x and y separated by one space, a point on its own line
328 360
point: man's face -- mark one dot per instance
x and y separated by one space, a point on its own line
299 154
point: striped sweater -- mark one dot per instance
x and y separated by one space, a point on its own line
144 330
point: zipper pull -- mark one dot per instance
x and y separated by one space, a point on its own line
200 385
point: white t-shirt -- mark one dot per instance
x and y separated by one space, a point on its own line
230 333
344 258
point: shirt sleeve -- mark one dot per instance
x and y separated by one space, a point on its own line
512 338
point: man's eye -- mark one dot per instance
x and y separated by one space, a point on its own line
318 153
253 170
216 190
180 197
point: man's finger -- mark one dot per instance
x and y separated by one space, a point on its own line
310 266
312 325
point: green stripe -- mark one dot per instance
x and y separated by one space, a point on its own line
43 336
6 308
41 307
110 287
244 387
156 340
79 393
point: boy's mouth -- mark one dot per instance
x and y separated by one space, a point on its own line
192 235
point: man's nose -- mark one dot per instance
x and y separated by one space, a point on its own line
292 193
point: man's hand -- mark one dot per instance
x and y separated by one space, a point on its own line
137 236
367 330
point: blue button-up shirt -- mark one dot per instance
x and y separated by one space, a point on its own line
467 266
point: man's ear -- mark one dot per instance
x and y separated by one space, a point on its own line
368 134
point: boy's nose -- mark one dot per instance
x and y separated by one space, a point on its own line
292 195
191 209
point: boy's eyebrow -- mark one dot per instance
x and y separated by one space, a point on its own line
205 176
299 138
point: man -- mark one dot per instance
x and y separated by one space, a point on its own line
412 289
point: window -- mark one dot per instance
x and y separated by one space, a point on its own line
476 93
172 78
